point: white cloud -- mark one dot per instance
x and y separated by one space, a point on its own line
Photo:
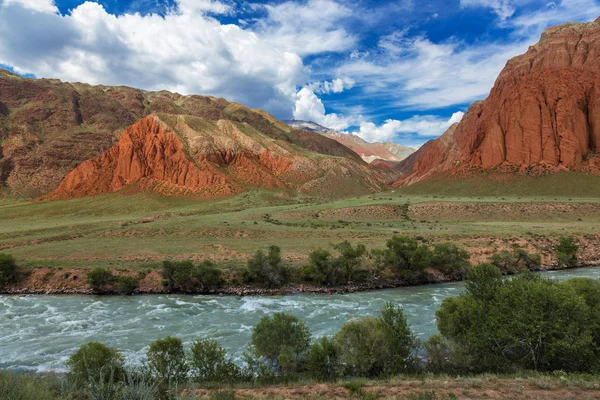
503 8
310 108
203 6
45 6
184 51
308 28
337 85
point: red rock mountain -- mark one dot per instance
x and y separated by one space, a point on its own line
67 140
542 114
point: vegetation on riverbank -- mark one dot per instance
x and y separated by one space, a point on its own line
406 260
505 326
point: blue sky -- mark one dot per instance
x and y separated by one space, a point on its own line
387 70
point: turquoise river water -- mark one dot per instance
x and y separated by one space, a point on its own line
40 332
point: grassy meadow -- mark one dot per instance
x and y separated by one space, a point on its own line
128 231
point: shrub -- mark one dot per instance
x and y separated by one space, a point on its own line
322 361
438 354
280 342
401 342
185 277
405 256
517 260
127 284
566 252
95 362
526 323
450 258
8 270
363 347
211 364
267 269
322 269
350 258
167 361
24 387
99 278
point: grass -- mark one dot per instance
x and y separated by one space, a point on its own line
132 231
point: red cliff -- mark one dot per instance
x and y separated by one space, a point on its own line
544 110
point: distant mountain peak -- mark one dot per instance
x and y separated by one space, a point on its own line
369 152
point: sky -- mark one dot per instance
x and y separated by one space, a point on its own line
400 71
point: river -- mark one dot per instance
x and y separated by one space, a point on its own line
40 332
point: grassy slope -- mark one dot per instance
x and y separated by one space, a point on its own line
128 231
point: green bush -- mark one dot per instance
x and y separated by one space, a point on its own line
95 362
167 360
127 284
438 354
516 261
363 347
350 258
566 252
401 342
211 364
525 323
322 269
99 278
322 361
186 277
449 258
25 387
281 342
267 268
9 271
406 257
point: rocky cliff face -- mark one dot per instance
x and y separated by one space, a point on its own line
103 139
543 113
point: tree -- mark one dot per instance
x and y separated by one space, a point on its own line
322 269
362 347
167 361
322 361
406 257
350 258
211 364
267 268
450 258
99 278
186 277
401 342
566 252
517 260
280 341
8 269
525 323
95 362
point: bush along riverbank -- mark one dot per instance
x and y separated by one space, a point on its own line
346 267
498 326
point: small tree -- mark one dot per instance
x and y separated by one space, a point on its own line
322 361
517 260
211 364
95 362
362 345
281 342
8 269
406 256
127 284
99 278
185 277
167 361
450 258
267 268
566 252
350 258
401 342
483 281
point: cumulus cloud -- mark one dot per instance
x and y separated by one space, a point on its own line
184 51
337 85
308 28
309 107
46 6
503 8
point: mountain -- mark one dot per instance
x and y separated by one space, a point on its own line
369 152
542 115
66 140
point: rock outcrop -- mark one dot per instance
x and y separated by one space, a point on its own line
103 139
543 113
